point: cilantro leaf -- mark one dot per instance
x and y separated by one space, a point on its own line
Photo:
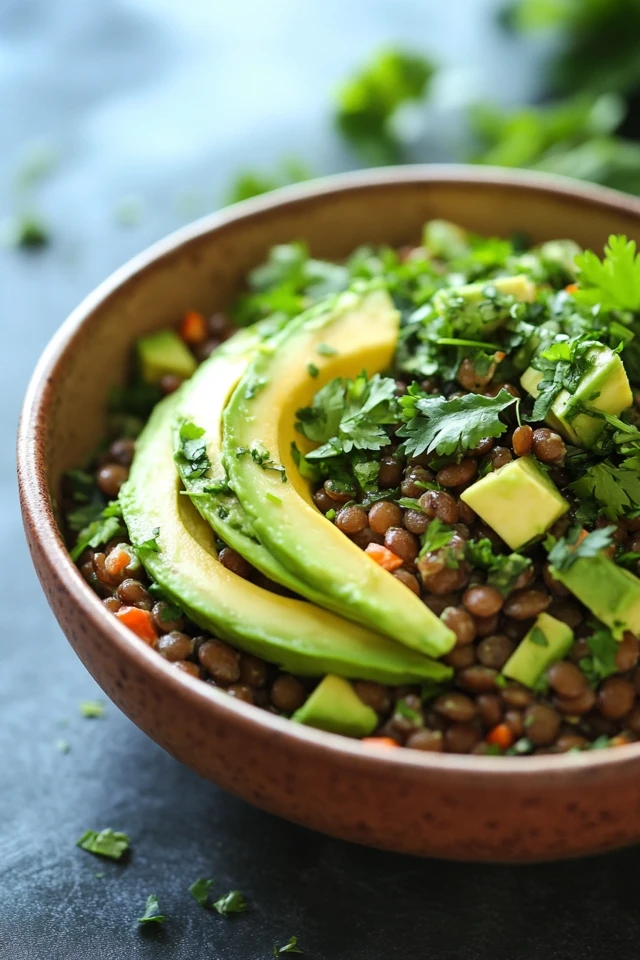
291 946
106 843
151 911
602 662
617 489
567 550
92 708
502 569
232 902
107 525
436 536
538 638
192 454
613 282
563 366
200 890
450 426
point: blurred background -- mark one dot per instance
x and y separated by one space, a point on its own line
121 120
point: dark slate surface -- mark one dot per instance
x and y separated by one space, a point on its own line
155 98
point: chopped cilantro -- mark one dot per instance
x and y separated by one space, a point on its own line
152 911
615 488
232 902
602 662
106 843
192 456
325 350
312 370
151 545
330 514
200 890
568 549
436 536
27 231
563 366
538 638
614 282
170 612
107 525
254 386
92 708
291 946
408 713
502 569
261 456
450 426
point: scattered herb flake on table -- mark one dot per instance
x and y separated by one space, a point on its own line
106 843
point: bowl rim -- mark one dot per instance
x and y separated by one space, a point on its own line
38 515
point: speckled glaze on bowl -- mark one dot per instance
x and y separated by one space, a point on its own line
459 807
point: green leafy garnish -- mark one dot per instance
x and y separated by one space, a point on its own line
200 890
538 638
291 946
253 183
408 713
192 456
325 350
261 456
27 231
616 489
450 426
602 662
152 911
613 282
232 902
92 708
567 550
312 370
107 525
502 569
106 843
436 536
151 545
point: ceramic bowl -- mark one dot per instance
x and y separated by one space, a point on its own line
462 807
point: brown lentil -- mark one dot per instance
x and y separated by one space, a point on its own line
415 521
160 613
566 679
112 604
440 504
364 537
489 709
429 740
413 476
384 515
444 581
221 661
253 671
457 474
485 445
402 543
390 474
408 579
525 604
352 519
188 667
483 600
547 446
287 693
338 496
541 724
235 562
615 698
576 706
133 594
516 696
462 624
460 738
467 515
175 646
477 679
169 383
122 451
627 653
569 741
486 625
495 650
522 440
554 586
461 657
498 457
514 719
110 478
241 692
374 695
322 500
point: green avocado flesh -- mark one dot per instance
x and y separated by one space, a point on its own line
202 402
164 353
359 332
547 641
335 706
605 388
609 591
518 501
520 287
297 636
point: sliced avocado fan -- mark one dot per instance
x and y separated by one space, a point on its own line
359 332
178 550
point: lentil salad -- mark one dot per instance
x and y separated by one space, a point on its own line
386 474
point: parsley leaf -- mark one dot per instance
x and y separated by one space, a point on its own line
192 452
568 549
108 525
291 946
614 282
503 569
151 911
106 843
92 708
450 426
538 638
232 902
348 415
436 536
602 662
617 489
200 890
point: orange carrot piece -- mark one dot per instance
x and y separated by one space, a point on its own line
140 622
116 561
501 736
387 559
193 328
619 741
499 356
571 288
380 741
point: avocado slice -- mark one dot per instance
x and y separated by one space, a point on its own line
547 641
202 402
520 287
297 636
518 501
604 388
335 706
609 591
164 353
358 332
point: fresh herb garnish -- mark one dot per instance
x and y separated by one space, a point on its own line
436 536
502 569
614 282
191 456
151 545
200 890
107 525
261 456
602 662
291 946
152 911
325 350
106 843
615 488
232 902
92 708
254 386
408 713
574 546
312 370
538 638
450 426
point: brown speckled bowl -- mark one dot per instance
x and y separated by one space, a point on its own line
473 808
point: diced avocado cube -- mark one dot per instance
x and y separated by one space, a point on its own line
605 388
335 706
609 591
560 254
520 287
518 501
547 641
164 353
445 240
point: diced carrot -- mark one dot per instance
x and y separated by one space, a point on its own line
619 741
140 622
501 736
193 328
117 561
571 288
380 741
387 559
499 356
